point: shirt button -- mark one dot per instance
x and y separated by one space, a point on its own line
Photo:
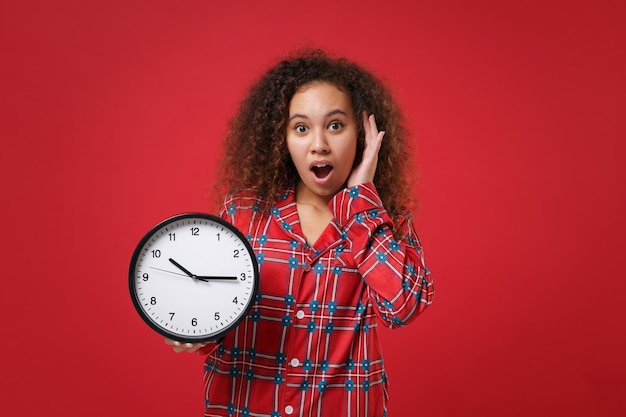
300 314
307 268
295 362
289 410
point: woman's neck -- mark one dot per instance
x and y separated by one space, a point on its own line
305 196
313 212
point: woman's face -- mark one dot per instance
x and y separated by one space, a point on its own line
322 139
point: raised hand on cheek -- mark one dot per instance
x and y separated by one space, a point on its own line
366 170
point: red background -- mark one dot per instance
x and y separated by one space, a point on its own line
111 118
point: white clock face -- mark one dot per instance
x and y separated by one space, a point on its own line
193 277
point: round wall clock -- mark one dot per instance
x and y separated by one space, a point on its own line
193 277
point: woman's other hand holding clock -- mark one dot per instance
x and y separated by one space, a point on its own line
181 346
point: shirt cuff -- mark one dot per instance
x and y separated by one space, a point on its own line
353 200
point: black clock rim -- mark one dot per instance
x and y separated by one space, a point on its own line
135 297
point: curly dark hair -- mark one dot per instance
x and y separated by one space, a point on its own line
256 139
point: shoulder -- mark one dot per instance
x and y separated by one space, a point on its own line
247 199
251 200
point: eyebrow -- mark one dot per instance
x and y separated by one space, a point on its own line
329 114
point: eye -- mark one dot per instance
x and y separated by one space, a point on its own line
335 125
301 128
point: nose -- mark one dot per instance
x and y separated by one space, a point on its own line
320 142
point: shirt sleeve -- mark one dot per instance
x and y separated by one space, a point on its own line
399 283
210 347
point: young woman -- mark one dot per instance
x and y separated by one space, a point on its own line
315 173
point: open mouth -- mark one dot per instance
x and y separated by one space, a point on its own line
321 170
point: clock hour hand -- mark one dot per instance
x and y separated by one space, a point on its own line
182 268
209 277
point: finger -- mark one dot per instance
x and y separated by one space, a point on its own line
195 347
374 143
365 123
173 342
176 346
367 127
372 135
372 123
378 135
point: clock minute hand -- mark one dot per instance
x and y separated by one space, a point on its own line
182 268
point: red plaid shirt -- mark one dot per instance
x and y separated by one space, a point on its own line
309 346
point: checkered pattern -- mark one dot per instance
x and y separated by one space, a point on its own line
309 346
